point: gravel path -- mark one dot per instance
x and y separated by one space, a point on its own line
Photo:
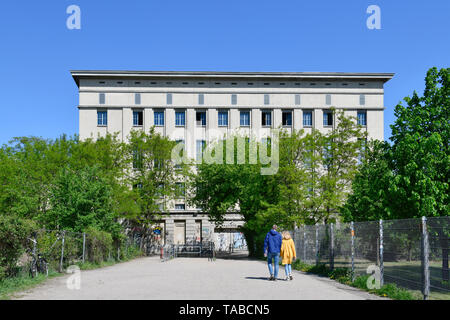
194 279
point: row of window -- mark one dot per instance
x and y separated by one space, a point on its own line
234 100
244 118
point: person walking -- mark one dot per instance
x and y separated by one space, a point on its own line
287 254
272 246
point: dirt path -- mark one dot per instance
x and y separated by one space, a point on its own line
192 278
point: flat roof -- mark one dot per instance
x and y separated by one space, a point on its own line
78 74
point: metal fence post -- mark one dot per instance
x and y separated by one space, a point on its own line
425 260
84 246
352 226
62 252
317 245
332 246
304 243
381 254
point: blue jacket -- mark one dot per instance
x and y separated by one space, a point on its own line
273 242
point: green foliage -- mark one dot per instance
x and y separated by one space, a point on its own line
99 245
14 233
410 178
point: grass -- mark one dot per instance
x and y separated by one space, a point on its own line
23 281
343 275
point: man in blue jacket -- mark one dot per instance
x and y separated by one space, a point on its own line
272 247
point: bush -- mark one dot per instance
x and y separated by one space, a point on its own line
99 245
14 233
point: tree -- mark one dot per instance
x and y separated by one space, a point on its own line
152 178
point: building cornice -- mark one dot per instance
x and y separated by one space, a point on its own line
100 74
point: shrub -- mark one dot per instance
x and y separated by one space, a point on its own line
14 233
99 245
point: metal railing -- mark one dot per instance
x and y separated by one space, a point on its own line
411 253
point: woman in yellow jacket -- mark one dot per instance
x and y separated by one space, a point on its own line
287 254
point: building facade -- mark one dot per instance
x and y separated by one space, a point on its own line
199 107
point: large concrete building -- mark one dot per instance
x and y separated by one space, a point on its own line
197 107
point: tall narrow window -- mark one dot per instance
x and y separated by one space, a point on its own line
169 98
286 118
362 118
245 118
182 151
159 118
137 98
200 118
266 118
180 118
266 99
223 119
138 118
327 118
101 98
102 118
328 99
234 99
362 99
307 118
201 99
199 149
137 159
297 99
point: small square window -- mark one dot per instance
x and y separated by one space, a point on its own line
180 206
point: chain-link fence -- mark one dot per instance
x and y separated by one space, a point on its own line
411 253
61 249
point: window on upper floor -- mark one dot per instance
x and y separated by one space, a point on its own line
138 118
245 118
169 98
327 118
102 118
286 118
101 98
266 118
159 118
362 99
200 118
223 118
180 206
200 147
362 118
201 99
297 99
137 98
180 118
266 99
234 99
307 118
328 99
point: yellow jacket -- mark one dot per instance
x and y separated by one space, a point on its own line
287 252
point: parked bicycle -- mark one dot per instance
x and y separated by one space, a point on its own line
38 262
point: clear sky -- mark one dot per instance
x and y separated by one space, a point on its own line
38 96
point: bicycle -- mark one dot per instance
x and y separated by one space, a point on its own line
38 262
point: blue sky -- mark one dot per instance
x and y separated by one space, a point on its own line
39 97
